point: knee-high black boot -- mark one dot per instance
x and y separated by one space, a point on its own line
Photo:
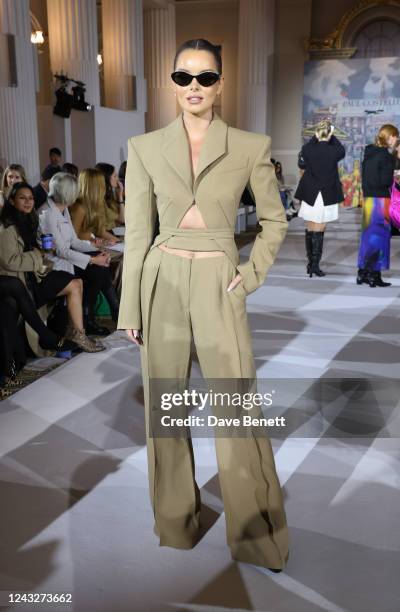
317 246
308 237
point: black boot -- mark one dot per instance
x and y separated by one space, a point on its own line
91 327
364 275
379 282
308 236
317 245
361 276
112 298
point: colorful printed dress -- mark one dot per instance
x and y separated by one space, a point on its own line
377 179
374 252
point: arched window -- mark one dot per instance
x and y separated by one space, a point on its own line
378 39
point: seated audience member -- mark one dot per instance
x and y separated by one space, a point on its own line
15 300
70 169
75 255
122 173
114 199
88 213
284 192
281 183
41 190
1 181
55 157
21 257
14 173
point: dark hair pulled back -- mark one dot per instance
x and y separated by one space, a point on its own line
200 44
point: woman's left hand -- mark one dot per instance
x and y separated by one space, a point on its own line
235 282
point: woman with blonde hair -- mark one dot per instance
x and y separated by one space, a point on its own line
88 212
319 189
114 200
14 173
88 219
377 178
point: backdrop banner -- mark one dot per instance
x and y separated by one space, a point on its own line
358 96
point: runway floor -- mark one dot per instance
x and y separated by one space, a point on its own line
75 512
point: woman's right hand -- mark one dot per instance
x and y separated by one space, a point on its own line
102 259
134 335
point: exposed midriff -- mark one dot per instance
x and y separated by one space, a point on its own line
192 219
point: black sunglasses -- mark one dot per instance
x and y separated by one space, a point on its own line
205 79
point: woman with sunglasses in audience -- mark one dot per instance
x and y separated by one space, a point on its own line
187 284
21 257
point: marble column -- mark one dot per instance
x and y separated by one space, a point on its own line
73 43
160 48
256 47
18 121
124 84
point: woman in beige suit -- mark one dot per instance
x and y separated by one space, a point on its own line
187 284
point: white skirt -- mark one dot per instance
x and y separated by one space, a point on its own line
319 213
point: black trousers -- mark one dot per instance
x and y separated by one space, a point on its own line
15 300
95 279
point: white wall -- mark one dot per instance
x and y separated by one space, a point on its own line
88 138
112 130
218 23
83 139
292 26
53 131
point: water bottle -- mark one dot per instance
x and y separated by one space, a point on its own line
47 242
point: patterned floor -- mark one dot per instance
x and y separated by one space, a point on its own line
75 509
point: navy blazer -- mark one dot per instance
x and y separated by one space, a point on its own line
319 159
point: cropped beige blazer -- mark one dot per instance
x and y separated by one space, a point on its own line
159 181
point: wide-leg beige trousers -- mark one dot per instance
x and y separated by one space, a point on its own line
182 299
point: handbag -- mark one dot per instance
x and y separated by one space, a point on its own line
394 207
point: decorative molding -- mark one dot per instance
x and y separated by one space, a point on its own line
181 4
331 47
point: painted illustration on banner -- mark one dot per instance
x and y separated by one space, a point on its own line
358 96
